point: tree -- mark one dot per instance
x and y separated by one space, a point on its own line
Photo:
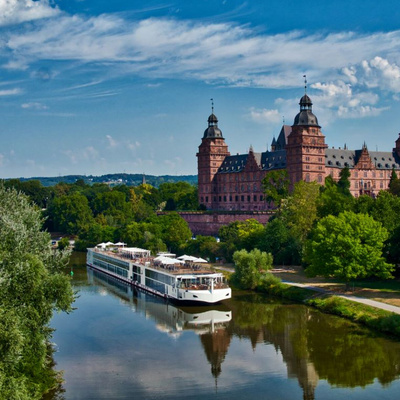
32 285
300 211
347 247
394 184
278 240
344 181
332 199
276 186
249 267
71 213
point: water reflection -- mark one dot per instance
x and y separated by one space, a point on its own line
316 346
254 346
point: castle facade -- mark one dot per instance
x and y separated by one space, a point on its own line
234 182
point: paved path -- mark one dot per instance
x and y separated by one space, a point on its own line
362 300
368 302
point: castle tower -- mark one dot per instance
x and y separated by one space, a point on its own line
305 148
397 146
212 153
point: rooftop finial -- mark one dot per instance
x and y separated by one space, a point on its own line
212 106
305 83
283 119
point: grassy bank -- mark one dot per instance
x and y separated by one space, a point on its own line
379 320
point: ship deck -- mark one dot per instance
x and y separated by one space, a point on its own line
174 269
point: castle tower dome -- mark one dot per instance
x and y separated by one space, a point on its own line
306 116
212 131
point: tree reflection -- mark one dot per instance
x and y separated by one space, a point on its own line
316 346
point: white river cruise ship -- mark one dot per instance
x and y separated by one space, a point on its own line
184 280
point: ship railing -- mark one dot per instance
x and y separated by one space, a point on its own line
203 286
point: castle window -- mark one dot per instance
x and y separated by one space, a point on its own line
215 198
319 178
356 184
356 174
365 174
254 198
201 200
381 185
242 197
307 177
248 197
224 198
236 198
261 197
206 199
219 198
230 198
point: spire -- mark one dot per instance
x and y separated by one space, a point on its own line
305 84
212 131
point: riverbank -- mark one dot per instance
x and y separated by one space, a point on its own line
331 297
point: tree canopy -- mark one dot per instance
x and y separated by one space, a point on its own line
348 247
249 267
32 285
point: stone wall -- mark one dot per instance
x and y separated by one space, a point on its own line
208 223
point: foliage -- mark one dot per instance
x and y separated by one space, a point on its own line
276 186
63 243
71 213
179 196
332 199
300 211
344 181
278 240
32 285
203 246
380 320
348 246
240 235
386 209
249 267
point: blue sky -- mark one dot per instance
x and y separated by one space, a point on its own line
100 86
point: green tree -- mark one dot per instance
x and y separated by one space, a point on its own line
394 184
240 235
175 231
32 285
249 267
344 181
300 211
71 213
276 186
332 199
347 247
278 240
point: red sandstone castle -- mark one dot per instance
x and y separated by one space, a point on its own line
228 182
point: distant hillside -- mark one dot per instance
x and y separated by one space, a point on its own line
116 179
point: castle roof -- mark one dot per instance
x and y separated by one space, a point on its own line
341 158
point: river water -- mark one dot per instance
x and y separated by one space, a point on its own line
124 344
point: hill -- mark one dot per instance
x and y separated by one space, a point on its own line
115 179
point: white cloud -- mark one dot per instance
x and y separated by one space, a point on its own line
265 115
221 53
111 142
17 11
35 106
10 92
360 111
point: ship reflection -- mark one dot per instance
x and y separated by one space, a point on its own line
168 317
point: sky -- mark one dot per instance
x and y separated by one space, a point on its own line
92 87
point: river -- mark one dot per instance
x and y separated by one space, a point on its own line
124 344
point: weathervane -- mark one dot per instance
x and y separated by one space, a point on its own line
212 106
305 83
